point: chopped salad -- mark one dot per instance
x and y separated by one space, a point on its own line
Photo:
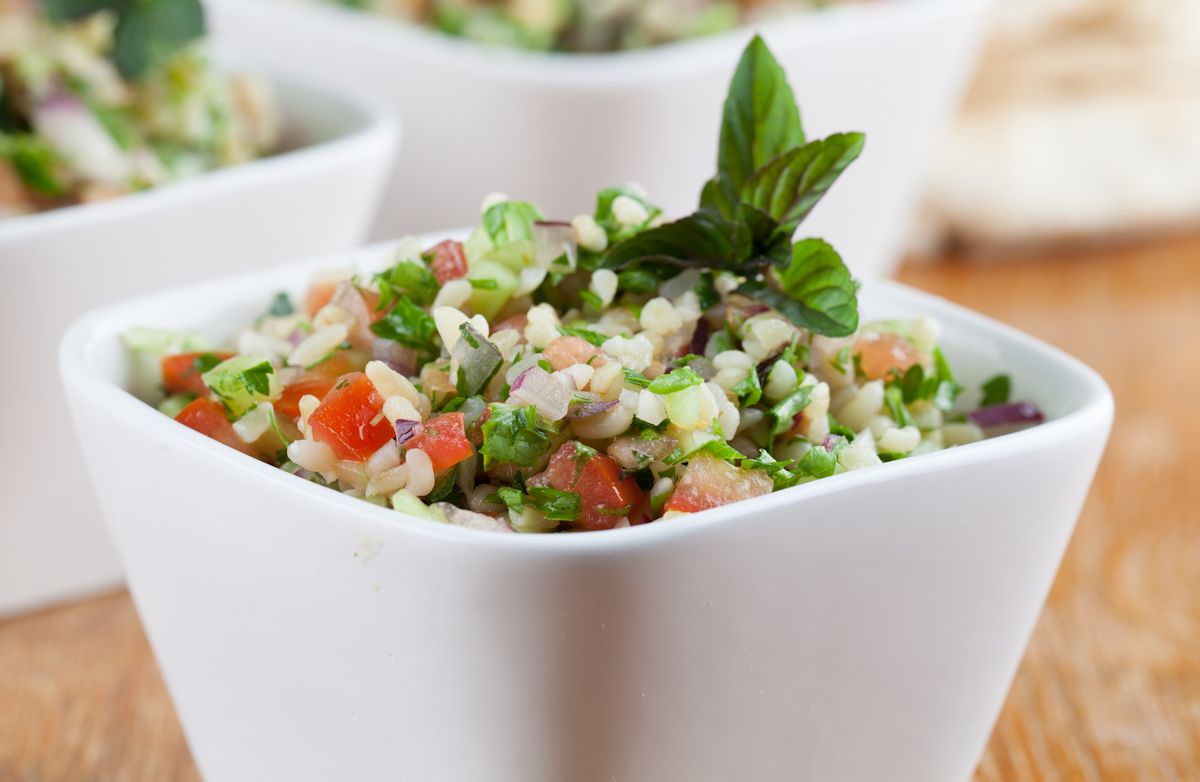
609 371
99 98
583 25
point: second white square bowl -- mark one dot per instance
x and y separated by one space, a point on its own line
555 128
318 197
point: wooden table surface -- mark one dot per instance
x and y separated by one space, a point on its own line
1110 688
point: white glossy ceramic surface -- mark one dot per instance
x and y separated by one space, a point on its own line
318 198
861 628
556 128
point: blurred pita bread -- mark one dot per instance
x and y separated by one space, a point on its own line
1084 121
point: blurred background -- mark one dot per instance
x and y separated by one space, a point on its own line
1064 199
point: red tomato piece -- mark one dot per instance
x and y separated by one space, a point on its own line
883 355
445 441
350 419
319 294
449 261
181 372
208 417
605 497
317 381
709 482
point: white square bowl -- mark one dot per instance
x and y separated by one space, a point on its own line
555 128
860 628
320 197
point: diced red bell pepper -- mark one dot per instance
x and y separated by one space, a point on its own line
350 418
449 261
444 440
181 372
207 416
605 497
709 482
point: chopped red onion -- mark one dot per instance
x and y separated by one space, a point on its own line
700 337
1009 414
520 379
395 355
830 442
406 430
588 409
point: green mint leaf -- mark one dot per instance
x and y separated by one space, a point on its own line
511 221
948 389
513 498
706 292
702 239
410 326
675 381
555 504
515 435
788 187
759 240
645 277
591 300
816 291
635 378
411 280
893 399
760 122
783 413
996 391
780 471
749 388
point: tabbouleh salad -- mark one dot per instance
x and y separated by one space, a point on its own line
583 25
608 371
99 98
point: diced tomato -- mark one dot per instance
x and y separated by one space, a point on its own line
563 352
181 372
709 482
445 441
350 418
316 381
449 261
881 355
208 417
605 497
319 294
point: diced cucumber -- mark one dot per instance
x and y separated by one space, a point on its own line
242 382
515 255
172 405
489 301
146 349
410 504
683 407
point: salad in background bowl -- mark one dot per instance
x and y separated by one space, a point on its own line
98 100
65 257
556 127
584 25
598 373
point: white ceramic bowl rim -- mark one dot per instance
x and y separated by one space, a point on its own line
601 70
106 323
372 118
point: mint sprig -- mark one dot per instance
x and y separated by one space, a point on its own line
768 181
